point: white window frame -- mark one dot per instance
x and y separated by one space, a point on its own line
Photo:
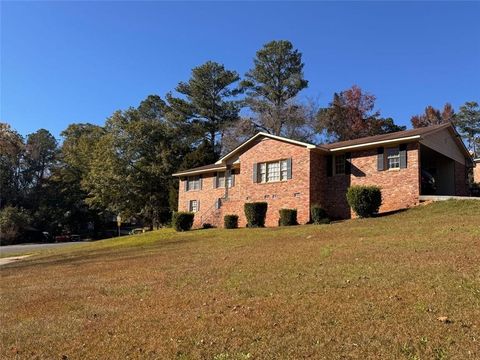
191 207
392 158
279 169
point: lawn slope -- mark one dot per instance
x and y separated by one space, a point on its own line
370 288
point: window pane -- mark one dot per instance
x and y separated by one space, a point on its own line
393 158
193 206
263 172
221 179
340 164
273 171
229 179
283 168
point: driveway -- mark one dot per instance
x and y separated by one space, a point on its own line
29 248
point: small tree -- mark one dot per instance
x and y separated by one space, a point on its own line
364 200
13 225
256 213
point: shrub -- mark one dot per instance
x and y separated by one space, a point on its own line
364 200
288 217
207 226
256 213
182 221
230 221
13 225
319 215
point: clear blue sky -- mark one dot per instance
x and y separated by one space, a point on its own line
65 62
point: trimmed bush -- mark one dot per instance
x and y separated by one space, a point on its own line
255 214
230 221
182 220
207 226
288 217
319 215
364 200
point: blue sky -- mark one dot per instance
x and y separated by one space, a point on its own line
66 62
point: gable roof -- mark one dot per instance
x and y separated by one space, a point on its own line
369 141
259 135
386 138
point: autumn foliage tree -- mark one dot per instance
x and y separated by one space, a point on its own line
432 116
351 115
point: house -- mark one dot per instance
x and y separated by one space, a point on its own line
287 173
476 171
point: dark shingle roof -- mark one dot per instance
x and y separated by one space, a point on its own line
201 169
384 137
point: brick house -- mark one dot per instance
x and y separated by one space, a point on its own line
476 171
291 174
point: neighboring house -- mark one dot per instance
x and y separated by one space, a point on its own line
291 174
476 171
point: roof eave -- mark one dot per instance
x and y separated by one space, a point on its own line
260 134
197 172
374 143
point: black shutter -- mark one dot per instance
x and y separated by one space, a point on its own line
329 165
185 183
403 156
348 164
215 180
380 159
200 180
289 168
254 176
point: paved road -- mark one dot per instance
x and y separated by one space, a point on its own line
29 248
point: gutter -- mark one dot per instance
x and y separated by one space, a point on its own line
196 172
381 142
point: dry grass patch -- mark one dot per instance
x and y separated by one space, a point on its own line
371 288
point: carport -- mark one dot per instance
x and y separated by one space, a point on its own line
441 168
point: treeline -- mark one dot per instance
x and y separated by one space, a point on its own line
125 166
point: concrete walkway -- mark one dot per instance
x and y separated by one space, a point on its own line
445 197
23 249
8 260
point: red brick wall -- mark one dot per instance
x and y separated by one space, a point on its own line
207 196
476 173
293 193
400 188
309 184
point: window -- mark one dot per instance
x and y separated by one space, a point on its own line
263 172
193 183
220 179
340 164
193 206
393 158
273 171
229 180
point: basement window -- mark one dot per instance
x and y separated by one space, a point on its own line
193 206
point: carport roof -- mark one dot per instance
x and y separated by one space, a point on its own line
379 139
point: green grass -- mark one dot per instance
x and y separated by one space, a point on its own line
369 288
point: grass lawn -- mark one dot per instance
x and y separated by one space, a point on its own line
359 289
